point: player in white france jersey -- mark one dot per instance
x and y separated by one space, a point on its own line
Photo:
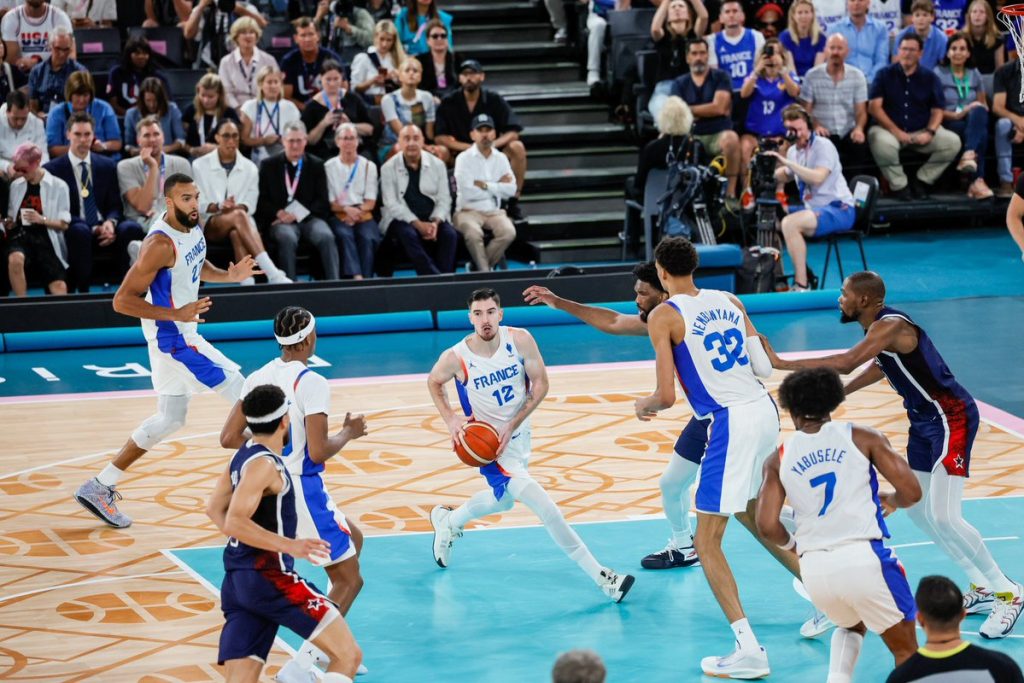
308 447
501 379
704 338
171 265
828 471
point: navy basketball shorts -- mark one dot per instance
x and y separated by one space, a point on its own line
945 440
256 602
693 440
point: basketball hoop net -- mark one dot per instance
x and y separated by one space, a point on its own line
1012 17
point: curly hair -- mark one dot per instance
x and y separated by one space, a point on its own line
675 117
290 320
263 400
812 392
647 273
677 256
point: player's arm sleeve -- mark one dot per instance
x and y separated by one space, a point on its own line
759 361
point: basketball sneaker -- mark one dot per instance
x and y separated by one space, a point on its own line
444 535
978 600
293 673
101 501
742 664
816 625
615 586
1006 611
672 556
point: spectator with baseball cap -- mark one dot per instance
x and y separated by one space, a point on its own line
455 118
484 178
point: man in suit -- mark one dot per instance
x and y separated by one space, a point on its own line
294 203
96 209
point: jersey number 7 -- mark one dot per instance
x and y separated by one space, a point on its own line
829 481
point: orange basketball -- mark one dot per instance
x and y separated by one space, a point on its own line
478 444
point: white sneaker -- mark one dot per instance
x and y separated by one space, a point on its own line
293 673
816 625
1006 610
593 77
561 36
615 586
978 600
444 535
248 282
362 670
134 247
740 664
278 278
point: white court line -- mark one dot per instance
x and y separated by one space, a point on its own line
89 582
986 540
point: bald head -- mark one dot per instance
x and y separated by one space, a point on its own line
867 284
836 49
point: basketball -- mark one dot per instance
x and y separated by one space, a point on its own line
478 444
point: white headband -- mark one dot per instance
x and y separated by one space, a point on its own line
270 417
298 336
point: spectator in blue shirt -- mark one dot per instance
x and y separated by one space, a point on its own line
804 38
412 20
80 95
47 79
770 89
907 103
868 38
923 24
153 101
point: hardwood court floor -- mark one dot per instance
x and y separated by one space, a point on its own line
80 601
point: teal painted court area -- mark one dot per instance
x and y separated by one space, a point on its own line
511 601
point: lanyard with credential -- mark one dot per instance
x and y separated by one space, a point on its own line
273 116
202 128
343 198
292 185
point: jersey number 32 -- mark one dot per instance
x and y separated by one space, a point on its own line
728 346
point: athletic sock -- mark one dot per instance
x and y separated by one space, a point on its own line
266 264
336 678
585 559
110 475
745 638
842 659
682 540
977 577
307 655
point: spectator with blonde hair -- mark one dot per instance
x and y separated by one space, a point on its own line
238 69
80 95
675 120
988 46
265 116
375 72
804 38
578 666
40 212
202 115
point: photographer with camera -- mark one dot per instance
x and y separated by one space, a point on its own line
828 205
770 89
210 21
345 28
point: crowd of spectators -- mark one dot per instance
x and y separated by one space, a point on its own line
910 89
368 144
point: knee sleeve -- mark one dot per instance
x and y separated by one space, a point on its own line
535 497
170 417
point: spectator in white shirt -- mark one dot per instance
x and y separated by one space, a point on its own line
228 186
18 125
408 105
352 184
89 13
238 69
484 178
265 116
26 32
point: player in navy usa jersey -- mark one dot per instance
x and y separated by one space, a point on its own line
943 423
253 503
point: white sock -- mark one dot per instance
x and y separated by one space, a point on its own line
843 655
480 504
675 485
248 282
308 654
585 559
745 638
110 475
336 678
266 264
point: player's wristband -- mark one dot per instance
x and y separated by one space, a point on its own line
790 544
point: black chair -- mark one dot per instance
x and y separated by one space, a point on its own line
183 84
277 38
630 32
654 189
168 44
865 191
97 41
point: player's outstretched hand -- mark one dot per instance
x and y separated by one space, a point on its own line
355 425
315 550
193 312
535 294
243 269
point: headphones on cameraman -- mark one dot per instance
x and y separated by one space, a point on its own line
797 109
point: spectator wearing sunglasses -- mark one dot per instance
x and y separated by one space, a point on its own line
439 76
